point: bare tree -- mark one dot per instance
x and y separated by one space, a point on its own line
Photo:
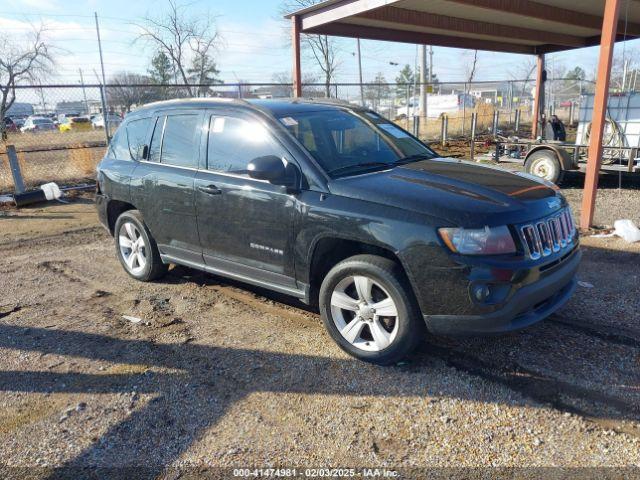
127 89
471 73
323 48
181 37
21 60
377 90
524 72
471 67
285 85
624 62
203 68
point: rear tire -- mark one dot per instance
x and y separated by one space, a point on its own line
368 308
545 164
136 249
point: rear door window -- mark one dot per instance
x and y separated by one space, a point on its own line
179 141
156 140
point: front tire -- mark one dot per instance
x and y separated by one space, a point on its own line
368 308
136 249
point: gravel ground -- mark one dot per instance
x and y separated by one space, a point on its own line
218 374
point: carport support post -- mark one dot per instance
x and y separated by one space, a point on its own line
408 97
296 23
445 130
474 122
607 42
538 104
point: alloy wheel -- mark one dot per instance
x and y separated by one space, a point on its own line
364 313
133 248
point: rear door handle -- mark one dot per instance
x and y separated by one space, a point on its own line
210 190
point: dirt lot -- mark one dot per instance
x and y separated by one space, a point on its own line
217 374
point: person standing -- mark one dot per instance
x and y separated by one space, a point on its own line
559 132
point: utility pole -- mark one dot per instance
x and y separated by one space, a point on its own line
423 81
431 64
104 82
84 92
360 73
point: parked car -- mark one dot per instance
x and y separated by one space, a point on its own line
9 125
113 119
61 116
343 209
19 121
37 124
75 124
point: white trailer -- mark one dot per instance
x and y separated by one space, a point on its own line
436 105
622 128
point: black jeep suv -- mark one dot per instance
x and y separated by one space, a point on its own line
341 208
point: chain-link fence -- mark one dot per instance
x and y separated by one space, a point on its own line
59 130
53 134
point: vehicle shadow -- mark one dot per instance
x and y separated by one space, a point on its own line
208 381
179 274
571 363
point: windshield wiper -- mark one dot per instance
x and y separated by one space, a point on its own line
346 168
412 158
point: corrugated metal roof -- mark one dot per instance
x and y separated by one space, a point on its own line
519 26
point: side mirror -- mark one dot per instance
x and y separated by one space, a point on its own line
269 168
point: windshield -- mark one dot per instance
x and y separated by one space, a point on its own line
346 143
41 121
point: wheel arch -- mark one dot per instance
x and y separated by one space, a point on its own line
563 157
330 250
115 208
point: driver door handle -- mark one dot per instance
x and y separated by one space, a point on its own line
210 190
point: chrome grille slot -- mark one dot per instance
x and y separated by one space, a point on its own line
532 240
556 234
565 227
547 236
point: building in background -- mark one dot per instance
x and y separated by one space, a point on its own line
20 109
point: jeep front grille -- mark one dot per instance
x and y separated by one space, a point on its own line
549 235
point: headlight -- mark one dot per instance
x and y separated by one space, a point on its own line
485 241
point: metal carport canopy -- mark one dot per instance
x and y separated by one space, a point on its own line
512 26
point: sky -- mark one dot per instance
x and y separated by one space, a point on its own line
254 46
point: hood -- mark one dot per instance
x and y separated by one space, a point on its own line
463 193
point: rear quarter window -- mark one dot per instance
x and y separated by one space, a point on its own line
137 136
118 146
126 142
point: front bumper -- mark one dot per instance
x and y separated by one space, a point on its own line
526 306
